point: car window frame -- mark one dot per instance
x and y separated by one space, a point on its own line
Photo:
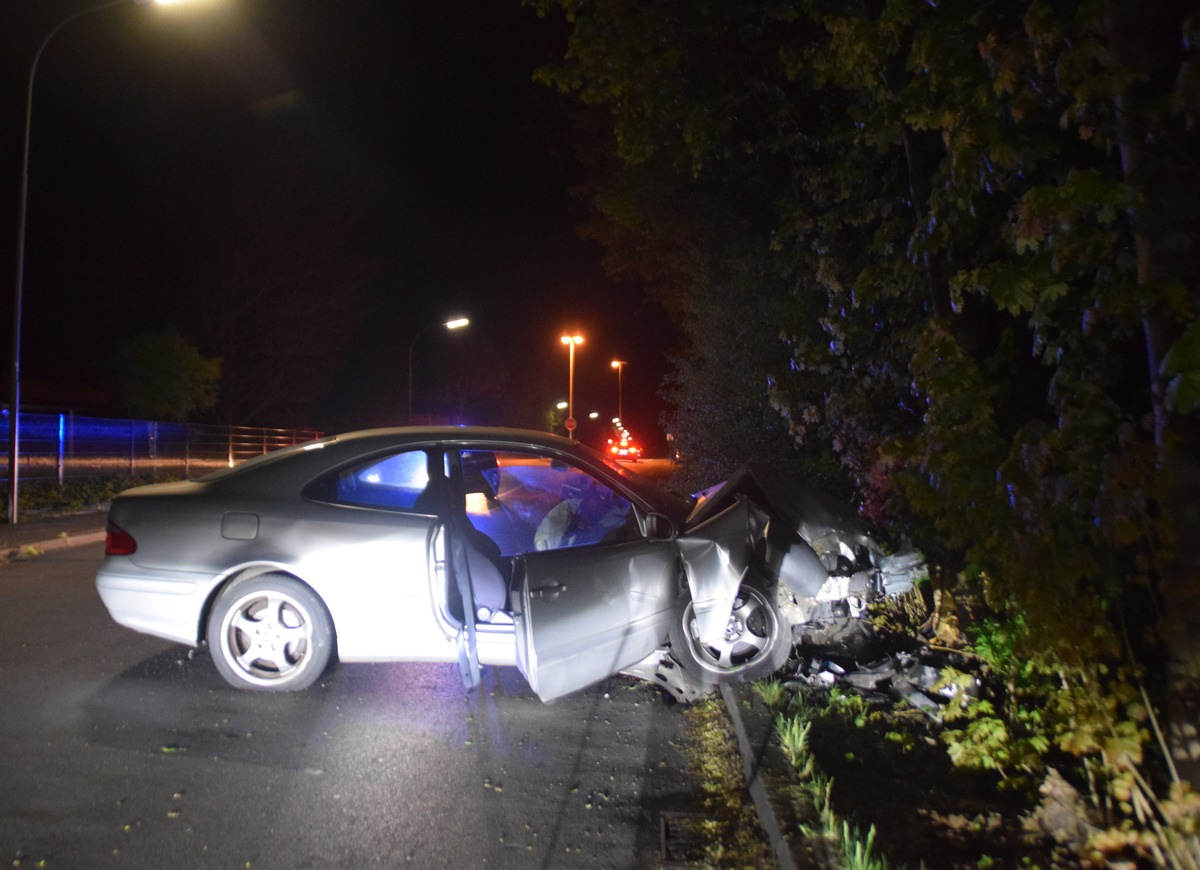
323 488
638 510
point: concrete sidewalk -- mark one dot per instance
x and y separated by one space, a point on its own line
53 532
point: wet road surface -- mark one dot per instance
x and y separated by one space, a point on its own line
120 750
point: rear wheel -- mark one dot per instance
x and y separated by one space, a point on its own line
270 633
755 642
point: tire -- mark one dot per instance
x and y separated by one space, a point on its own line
756 641
270 633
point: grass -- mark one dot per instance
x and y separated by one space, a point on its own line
730 829
793 737
856 850
842 845
772 692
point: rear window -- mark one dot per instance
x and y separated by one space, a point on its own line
395 482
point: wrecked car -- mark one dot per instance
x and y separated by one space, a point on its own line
480 546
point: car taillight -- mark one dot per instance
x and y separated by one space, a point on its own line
118 542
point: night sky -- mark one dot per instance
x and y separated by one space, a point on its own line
418 120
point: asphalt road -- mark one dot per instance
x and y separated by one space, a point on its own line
657 470
119 750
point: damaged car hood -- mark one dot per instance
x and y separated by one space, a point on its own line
762 520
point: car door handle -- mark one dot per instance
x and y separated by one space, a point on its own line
548 592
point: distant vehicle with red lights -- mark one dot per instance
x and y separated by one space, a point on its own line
622 447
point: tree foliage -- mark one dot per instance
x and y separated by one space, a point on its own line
162 376
952 246
281 293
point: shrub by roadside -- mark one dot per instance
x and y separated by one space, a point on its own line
41 498
1003 760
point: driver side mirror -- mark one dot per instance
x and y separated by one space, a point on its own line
660 527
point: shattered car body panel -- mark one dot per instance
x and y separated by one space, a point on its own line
827 566
921 681
716 558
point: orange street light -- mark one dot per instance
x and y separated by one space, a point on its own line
570 341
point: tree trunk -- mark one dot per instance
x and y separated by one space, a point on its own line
1155 154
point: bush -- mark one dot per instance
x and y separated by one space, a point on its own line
39 498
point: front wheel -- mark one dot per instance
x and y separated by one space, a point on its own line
755 643
270 633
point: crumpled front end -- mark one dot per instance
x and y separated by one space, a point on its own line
834 579
717 556
826 565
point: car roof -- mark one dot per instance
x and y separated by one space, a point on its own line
407 434
330 450
289 469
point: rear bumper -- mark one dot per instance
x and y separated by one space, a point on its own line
164 604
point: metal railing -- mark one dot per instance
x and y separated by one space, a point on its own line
62 445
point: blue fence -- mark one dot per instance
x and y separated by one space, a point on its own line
61 446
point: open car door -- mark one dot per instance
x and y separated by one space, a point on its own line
583 614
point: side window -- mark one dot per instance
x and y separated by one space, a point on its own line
527 502
394 482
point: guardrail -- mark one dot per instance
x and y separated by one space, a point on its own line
61 445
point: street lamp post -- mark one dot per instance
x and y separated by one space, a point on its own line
570 341
619 365
457 323
14 409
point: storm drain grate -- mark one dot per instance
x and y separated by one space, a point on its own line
682 837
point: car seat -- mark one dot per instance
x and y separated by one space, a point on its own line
489 571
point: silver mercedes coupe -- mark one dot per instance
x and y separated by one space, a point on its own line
482 546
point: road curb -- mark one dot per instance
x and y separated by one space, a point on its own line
62 542
757 785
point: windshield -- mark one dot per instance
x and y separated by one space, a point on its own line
661 500
609 463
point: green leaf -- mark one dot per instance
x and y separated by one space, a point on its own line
1181 366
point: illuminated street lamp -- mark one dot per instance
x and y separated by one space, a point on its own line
570 341
457 323
14 408
619 365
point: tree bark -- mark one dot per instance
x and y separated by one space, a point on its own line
1148 37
